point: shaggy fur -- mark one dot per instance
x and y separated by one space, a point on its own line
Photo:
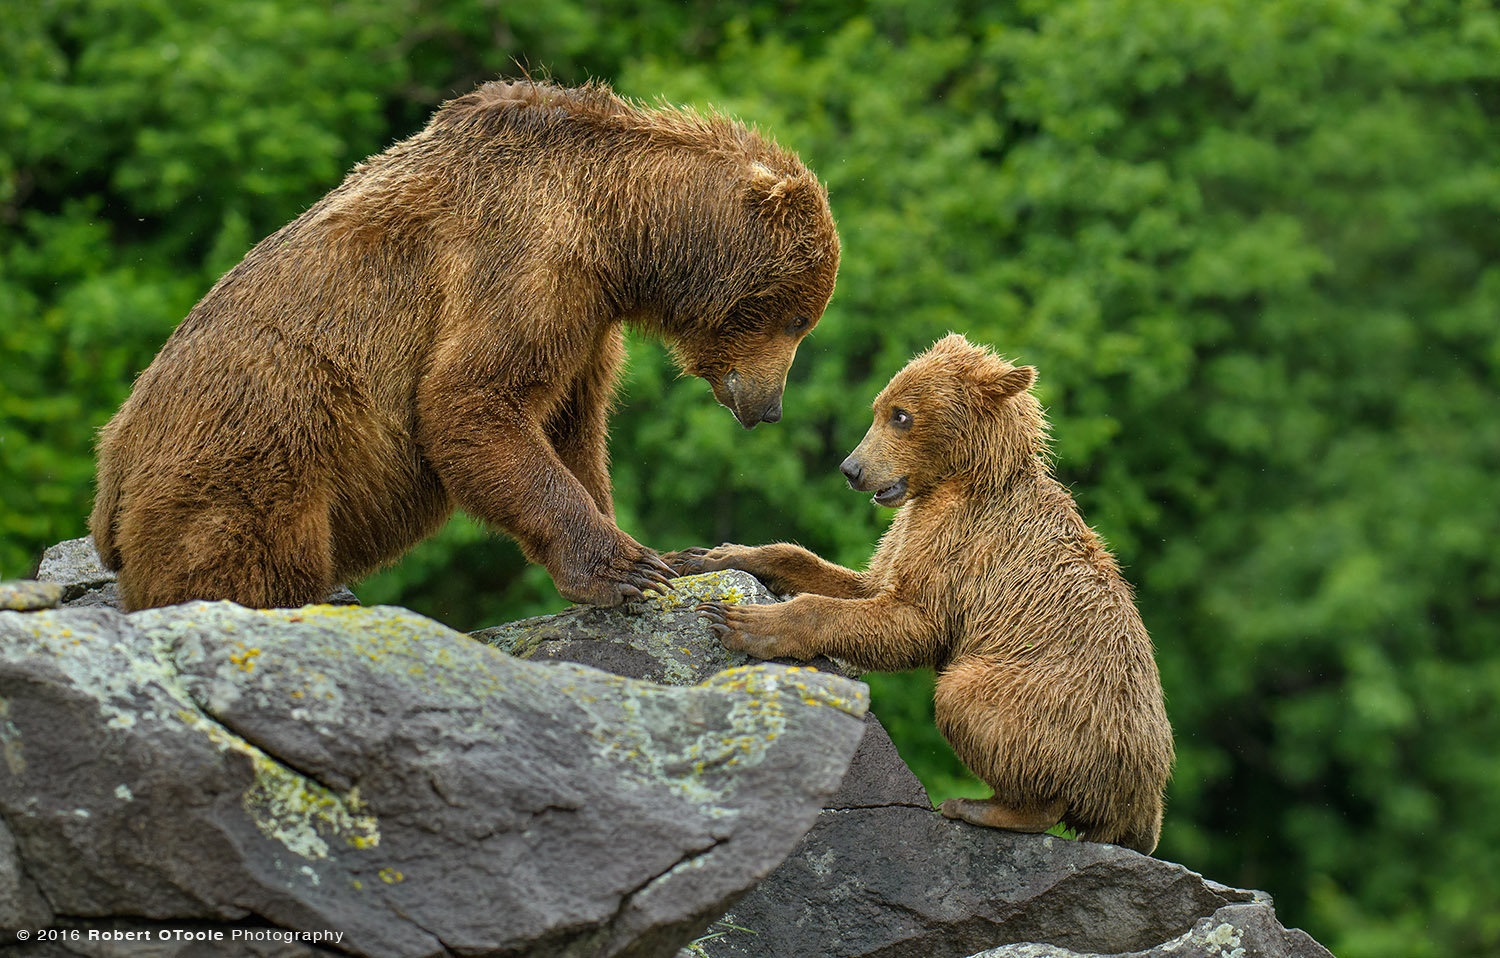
1047 687
444 329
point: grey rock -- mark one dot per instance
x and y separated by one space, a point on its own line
877 776
659 638
29 595
1233 931
901 881
21 905
341 595
76 566
371 771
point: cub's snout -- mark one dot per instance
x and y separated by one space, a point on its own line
881 464
887 493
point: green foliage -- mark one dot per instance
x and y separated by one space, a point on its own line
1253 247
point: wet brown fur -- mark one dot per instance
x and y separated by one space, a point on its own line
444 329
1047 687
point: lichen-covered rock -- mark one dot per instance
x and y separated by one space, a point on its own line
881 874
660 638
29 595
371 771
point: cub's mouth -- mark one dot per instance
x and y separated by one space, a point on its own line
891 494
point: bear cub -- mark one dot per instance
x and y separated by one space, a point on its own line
1047 686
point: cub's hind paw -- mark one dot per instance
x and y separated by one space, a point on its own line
995 814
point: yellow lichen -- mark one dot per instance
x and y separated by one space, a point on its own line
245 658
298 812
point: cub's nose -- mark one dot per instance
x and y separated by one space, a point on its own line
851 471
773 412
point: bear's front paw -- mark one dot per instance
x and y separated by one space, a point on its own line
748 629
695 560
627 575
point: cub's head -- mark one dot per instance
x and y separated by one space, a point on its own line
956 409
777 260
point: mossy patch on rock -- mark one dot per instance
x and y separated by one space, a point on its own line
28 595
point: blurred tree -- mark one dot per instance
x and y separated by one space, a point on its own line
1253 246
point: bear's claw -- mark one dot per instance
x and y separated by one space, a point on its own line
648 573
715 612
698 559
625 579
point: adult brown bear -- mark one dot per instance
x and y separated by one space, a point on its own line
444 329
1047 687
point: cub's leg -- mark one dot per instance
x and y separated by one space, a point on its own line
783 567
880 634
982 710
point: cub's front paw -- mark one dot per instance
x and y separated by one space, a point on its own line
695 560
747 628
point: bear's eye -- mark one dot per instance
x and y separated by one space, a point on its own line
900 418
798 324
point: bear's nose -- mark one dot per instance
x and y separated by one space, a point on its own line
851 471
773 411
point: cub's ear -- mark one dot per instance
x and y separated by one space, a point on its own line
776 195
995 387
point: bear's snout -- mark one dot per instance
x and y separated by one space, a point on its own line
751 401
852 470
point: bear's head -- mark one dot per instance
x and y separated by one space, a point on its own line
778 237
956 410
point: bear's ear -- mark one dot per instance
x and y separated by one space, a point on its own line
776 195
1002 384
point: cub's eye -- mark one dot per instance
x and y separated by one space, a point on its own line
900 418
798 324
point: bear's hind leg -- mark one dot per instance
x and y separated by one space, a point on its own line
271 558
993 813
